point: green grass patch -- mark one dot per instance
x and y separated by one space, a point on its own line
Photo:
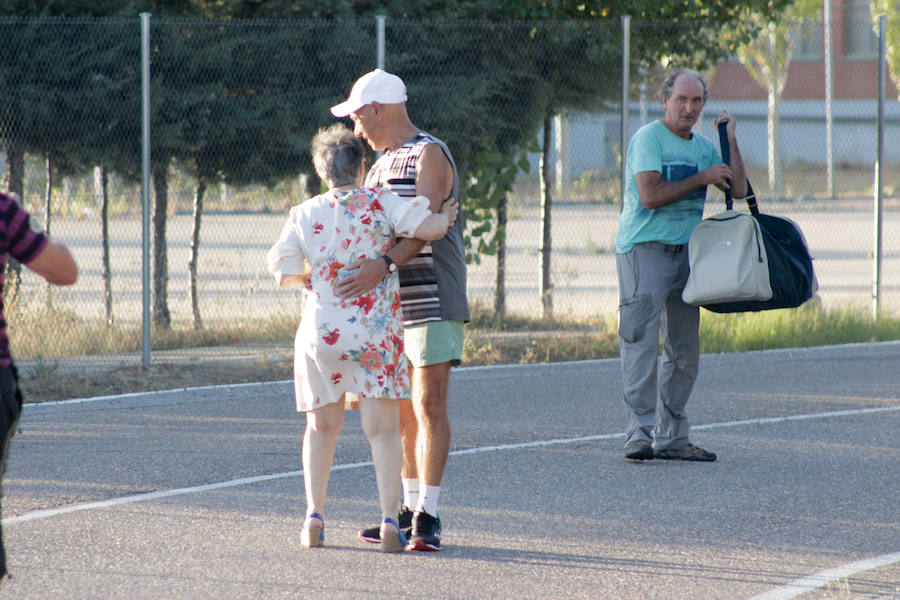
526 340
809 325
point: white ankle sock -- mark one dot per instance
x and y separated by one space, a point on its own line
411 492
428 499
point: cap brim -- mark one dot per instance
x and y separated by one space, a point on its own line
345 108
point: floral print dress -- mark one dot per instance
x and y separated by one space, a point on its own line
352 345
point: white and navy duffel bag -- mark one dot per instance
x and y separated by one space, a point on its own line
748 262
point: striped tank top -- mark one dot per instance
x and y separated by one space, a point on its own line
433 283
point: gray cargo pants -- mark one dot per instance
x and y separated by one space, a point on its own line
651 278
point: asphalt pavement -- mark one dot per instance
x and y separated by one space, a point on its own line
198 493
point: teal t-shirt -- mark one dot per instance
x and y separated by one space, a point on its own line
655 148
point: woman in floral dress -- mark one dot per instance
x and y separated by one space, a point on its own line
349 352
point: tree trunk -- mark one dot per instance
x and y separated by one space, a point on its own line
774 102
161 317
563 164
104 226
195 248
774 146
48 204
15 167
546 201
500 286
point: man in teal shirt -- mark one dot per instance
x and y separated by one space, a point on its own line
668 168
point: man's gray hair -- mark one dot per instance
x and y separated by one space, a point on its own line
666 91
337 155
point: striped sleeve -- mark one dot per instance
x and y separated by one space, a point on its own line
21 239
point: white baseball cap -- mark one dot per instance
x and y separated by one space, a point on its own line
375 86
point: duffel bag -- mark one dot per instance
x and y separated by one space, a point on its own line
748 262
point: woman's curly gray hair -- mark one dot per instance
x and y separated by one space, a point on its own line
337 155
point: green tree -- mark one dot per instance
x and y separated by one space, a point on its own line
250 107
54 69
42 103
768 59
891 10
170 59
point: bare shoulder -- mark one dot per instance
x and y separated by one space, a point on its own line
434 175
433 158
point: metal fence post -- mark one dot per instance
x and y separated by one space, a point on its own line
879 156
145 185
379 53
829 99
626 83
379 20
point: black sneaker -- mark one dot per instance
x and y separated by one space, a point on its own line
373 534
638 450
686 452
426 533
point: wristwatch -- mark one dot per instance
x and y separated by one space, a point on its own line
391 265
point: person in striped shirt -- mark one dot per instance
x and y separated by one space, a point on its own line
22 237
432 290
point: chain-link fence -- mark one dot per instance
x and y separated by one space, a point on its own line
235 105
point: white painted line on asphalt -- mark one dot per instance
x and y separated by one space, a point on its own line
806 417
27 406
819 580
146 497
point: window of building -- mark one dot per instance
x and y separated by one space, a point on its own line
860 40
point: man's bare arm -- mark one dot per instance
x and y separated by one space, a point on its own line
434 176
434 180
739 186
55 264
655 192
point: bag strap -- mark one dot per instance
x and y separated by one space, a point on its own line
726 158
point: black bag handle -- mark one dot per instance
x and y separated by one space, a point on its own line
726 158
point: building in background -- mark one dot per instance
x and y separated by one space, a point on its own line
855 84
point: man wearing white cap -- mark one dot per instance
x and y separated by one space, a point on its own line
432 290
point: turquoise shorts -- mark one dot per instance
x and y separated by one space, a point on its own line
434 343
